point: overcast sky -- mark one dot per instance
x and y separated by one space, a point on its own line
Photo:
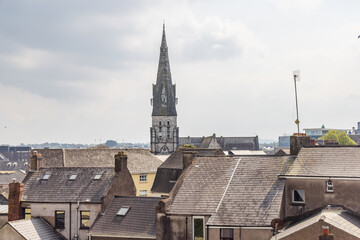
81 71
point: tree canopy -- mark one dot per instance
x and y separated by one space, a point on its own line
341 137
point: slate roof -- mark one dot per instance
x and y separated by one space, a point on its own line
58 188
335 161
336 217
35 229
171 169
6 177
254 194
12 166
175 160
138 222
203 185
232 190
139 160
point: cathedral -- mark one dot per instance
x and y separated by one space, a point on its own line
164 133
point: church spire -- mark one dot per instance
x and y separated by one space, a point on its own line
164 99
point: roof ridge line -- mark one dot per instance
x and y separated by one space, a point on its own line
227 186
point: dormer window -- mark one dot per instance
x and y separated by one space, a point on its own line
46 176
73 177
298 196
123 211
329 186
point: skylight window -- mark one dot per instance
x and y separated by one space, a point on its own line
123 211
73 177
46 176
97 176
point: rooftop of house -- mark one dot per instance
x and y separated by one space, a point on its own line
137 222
12 166
35 228
171 169
336 217
69 184
7 177
326 161
175 160
139 160
232 190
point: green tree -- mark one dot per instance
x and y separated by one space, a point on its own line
341 137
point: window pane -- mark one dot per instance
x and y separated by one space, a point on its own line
299 195
198 229
59 219
84 219
226 234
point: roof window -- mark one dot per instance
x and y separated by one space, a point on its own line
97 176
46 176
73 177
123 211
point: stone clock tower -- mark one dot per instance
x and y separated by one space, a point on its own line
164 131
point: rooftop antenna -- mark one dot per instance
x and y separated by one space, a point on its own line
296 74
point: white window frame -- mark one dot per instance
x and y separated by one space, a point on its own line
293 196
329 186
143 177
193 226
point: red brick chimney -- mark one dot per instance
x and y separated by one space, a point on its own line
35 161
120 161
14 202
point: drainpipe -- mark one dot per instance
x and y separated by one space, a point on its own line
76 236
186 228
70 220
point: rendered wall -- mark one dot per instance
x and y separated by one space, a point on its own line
144 185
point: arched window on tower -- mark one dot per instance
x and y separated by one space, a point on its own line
160 129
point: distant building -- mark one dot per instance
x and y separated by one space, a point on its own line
225 143
14 154
284 141
164 133
315 133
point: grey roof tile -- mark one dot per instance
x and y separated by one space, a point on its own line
254 195
139 160
171 169
138 222
6 177
58 188
35 229
326 161
232 190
